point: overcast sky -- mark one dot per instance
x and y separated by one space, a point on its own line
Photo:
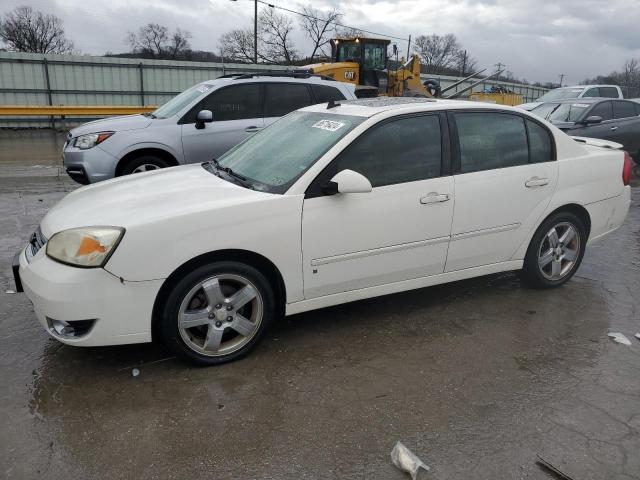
536 39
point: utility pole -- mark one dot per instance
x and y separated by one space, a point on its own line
255 32
499 66
561 78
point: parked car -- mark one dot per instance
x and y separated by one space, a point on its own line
330 204
608 119
577 91
201 123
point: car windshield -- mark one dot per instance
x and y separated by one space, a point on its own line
272 159
180 101
568 112
545 109
560 94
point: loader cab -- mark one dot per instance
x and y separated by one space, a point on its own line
371 56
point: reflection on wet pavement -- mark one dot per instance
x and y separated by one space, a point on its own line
476 377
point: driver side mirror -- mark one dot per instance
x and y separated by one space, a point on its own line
592 120
347 181
204 116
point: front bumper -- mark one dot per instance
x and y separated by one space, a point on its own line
120 311
89 166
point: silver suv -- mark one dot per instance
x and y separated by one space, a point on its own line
198 125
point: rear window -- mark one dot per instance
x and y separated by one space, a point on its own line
624 109
609 92
324 94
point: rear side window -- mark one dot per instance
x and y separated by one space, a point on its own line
230 103
603 110
324 94
592 92
400 151
624 109
609 92
540 146
283 98
491 140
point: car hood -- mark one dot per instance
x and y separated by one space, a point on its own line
113 124
146 197
529 106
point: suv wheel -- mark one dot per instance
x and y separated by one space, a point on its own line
217 313
144 163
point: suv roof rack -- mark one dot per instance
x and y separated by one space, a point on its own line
277 73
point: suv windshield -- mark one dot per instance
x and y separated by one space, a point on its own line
272 159
180 101
568 112
561 93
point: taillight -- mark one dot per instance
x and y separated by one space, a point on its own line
626 169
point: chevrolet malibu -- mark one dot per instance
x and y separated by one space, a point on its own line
332 203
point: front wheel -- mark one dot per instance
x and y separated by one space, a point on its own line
144 163
555 251
217 313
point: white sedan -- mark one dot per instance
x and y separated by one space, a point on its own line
331 204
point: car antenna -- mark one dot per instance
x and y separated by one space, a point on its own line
332 104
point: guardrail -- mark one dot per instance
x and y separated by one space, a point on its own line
63 111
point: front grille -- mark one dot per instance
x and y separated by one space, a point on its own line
36 242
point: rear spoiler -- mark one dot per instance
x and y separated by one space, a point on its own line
596 142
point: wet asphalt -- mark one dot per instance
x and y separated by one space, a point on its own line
476 377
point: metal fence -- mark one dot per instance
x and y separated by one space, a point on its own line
36 79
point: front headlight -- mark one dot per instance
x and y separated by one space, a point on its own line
84 247
84 142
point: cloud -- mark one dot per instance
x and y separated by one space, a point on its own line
536 39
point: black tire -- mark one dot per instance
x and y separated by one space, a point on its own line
174 337
142 160
540 277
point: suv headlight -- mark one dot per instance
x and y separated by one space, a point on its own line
84 142
84 247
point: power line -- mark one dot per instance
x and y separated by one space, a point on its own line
302 14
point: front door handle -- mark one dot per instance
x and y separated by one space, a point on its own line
613 129
435 197
252 129
536 182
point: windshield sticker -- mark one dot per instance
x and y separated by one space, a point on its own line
328 125
204 88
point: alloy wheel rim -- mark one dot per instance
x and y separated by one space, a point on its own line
220 315
146 167
559 251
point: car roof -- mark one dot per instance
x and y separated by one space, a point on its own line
367 107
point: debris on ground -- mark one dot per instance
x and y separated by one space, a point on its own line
407 461
549 466
10 292
619 338
135 372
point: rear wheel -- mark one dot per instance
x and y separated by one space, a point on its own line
144 163
217 313
555 251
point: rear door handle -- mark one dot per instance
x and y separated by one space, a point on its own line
435 197
252 129
536 182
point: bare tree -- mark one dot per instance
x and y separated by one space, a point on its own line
275 34
28 30
319 28
465 64
437 52
155 40
237 45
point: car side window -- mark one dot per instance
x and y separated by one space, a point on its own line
403 150
592 92
237 102
540 144
602 109
623 109
324 93
609 92
283 98
491 140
